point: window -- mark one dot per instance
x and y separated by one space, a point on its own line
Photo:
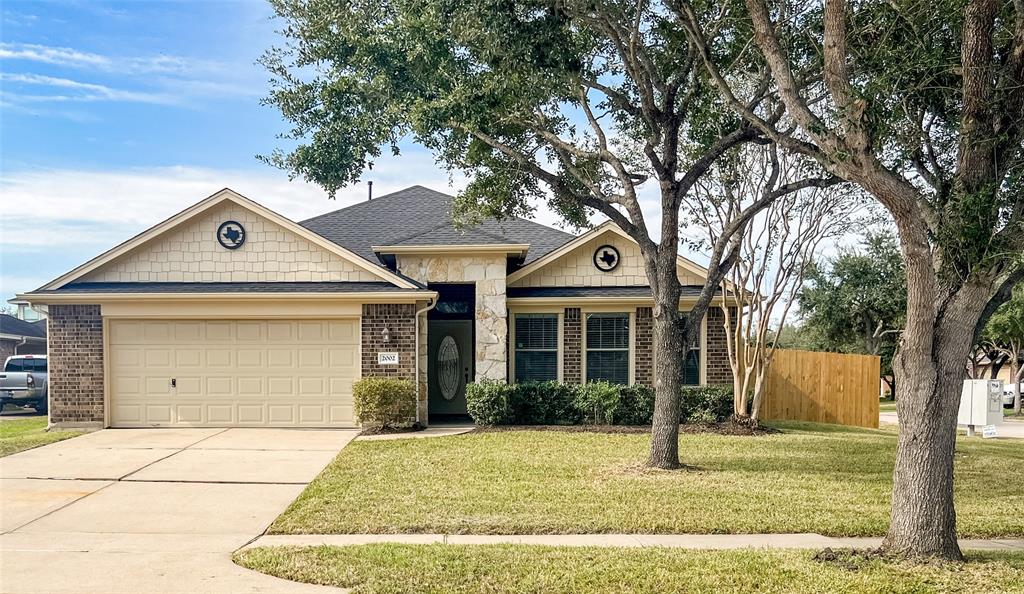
536 347
691 365
30 365
608 347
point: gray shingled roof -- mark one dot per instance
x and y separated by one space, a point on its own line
421 216
12 325
240 287
569 292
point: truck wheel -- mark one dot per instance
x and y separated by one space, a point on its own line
41 407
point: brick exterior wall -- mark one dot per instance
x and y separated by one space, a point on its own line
7 349
715 351
643 359
572 342
75 335
399 318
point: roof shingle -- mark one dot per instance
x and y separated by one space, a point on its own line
421 216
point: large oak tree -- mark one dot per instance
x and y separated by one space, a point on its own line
578 103
921 103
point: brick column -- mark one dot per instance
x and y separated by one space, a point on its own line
572 339
643 337
399 319
75 335
715 351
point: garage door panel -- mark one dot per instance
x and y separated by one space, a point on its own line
220 414
190 413
233 372
218 357
280 358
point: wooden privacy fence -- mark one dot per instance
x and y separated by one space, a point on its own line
822 387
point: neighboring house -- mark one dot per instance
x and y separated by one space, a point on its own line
18 337
228 314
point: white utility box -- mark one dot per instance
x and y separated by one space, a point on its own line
981 404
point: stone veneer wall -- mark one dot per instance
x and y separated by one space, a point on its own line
643 336
75 334
487 272
572 343
716 351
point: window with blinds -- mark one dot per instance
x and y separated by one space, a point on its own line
536 347
608 347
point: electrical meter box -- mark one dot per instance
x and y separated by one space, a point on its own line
981 403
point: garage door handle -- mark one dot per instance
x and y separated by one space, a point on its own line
174 382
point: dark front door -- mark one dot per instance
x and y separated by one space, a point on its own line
449 365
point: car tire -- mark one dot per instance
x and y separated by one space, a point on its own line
41 407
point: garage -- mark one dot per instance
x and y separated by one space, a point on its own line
232 372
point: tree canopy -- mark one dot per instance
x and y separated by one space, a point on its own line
856 302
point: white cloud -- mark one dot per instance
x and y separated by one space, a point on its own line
81 91
66 56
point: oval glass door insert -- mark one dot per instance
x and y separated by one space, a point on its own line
448 367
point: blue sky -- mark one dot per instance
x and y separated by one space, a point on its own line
116 115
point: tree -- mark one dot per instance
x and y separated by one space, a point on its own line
576 103
1005 335
776 251
857 301
920 104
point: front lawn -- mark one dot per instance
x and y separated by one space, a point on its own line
23 434
523 568
811 478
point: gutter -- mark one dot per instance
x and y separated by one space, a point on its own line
416 380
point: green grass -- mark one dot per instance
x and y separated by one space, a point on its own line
886 405
527 569
812 478
28 433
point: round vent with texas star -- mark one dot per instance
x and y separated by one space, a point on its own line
606 258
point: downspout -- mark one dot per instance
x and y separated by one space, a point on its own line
431 305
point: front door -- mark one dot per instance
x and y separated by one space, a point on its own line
449 365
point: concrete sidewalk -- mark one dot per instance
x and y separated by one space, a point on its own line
681 541
1012 429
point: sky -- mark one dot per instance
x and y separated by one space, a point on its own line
116 115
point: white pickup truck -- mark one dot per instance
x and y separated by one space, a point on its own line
23 382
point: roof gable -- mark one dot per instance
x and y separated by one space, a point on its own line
572 264
184 248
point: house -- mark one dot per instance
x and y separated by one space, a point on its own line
229 314
18 337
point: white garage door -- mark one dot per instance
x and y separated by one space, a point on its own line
259 373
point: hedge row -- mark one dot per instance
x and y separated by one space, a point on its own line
595 403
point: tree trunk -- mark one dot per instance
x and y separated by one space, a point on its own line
668 372
929 373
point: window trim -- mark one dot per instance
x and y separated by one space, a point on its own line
631 344
560 350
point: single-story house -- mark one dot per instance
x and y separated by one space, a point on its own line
229 314
18 337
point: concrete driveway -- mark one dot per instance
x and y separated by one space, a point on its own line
152 510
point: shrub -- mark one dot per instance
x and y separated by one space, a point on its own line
384 402
598 402
705 404
636 405
544 403
594 403
487 402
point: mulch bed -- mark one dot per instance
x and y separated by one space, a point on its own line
726 428
390 430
